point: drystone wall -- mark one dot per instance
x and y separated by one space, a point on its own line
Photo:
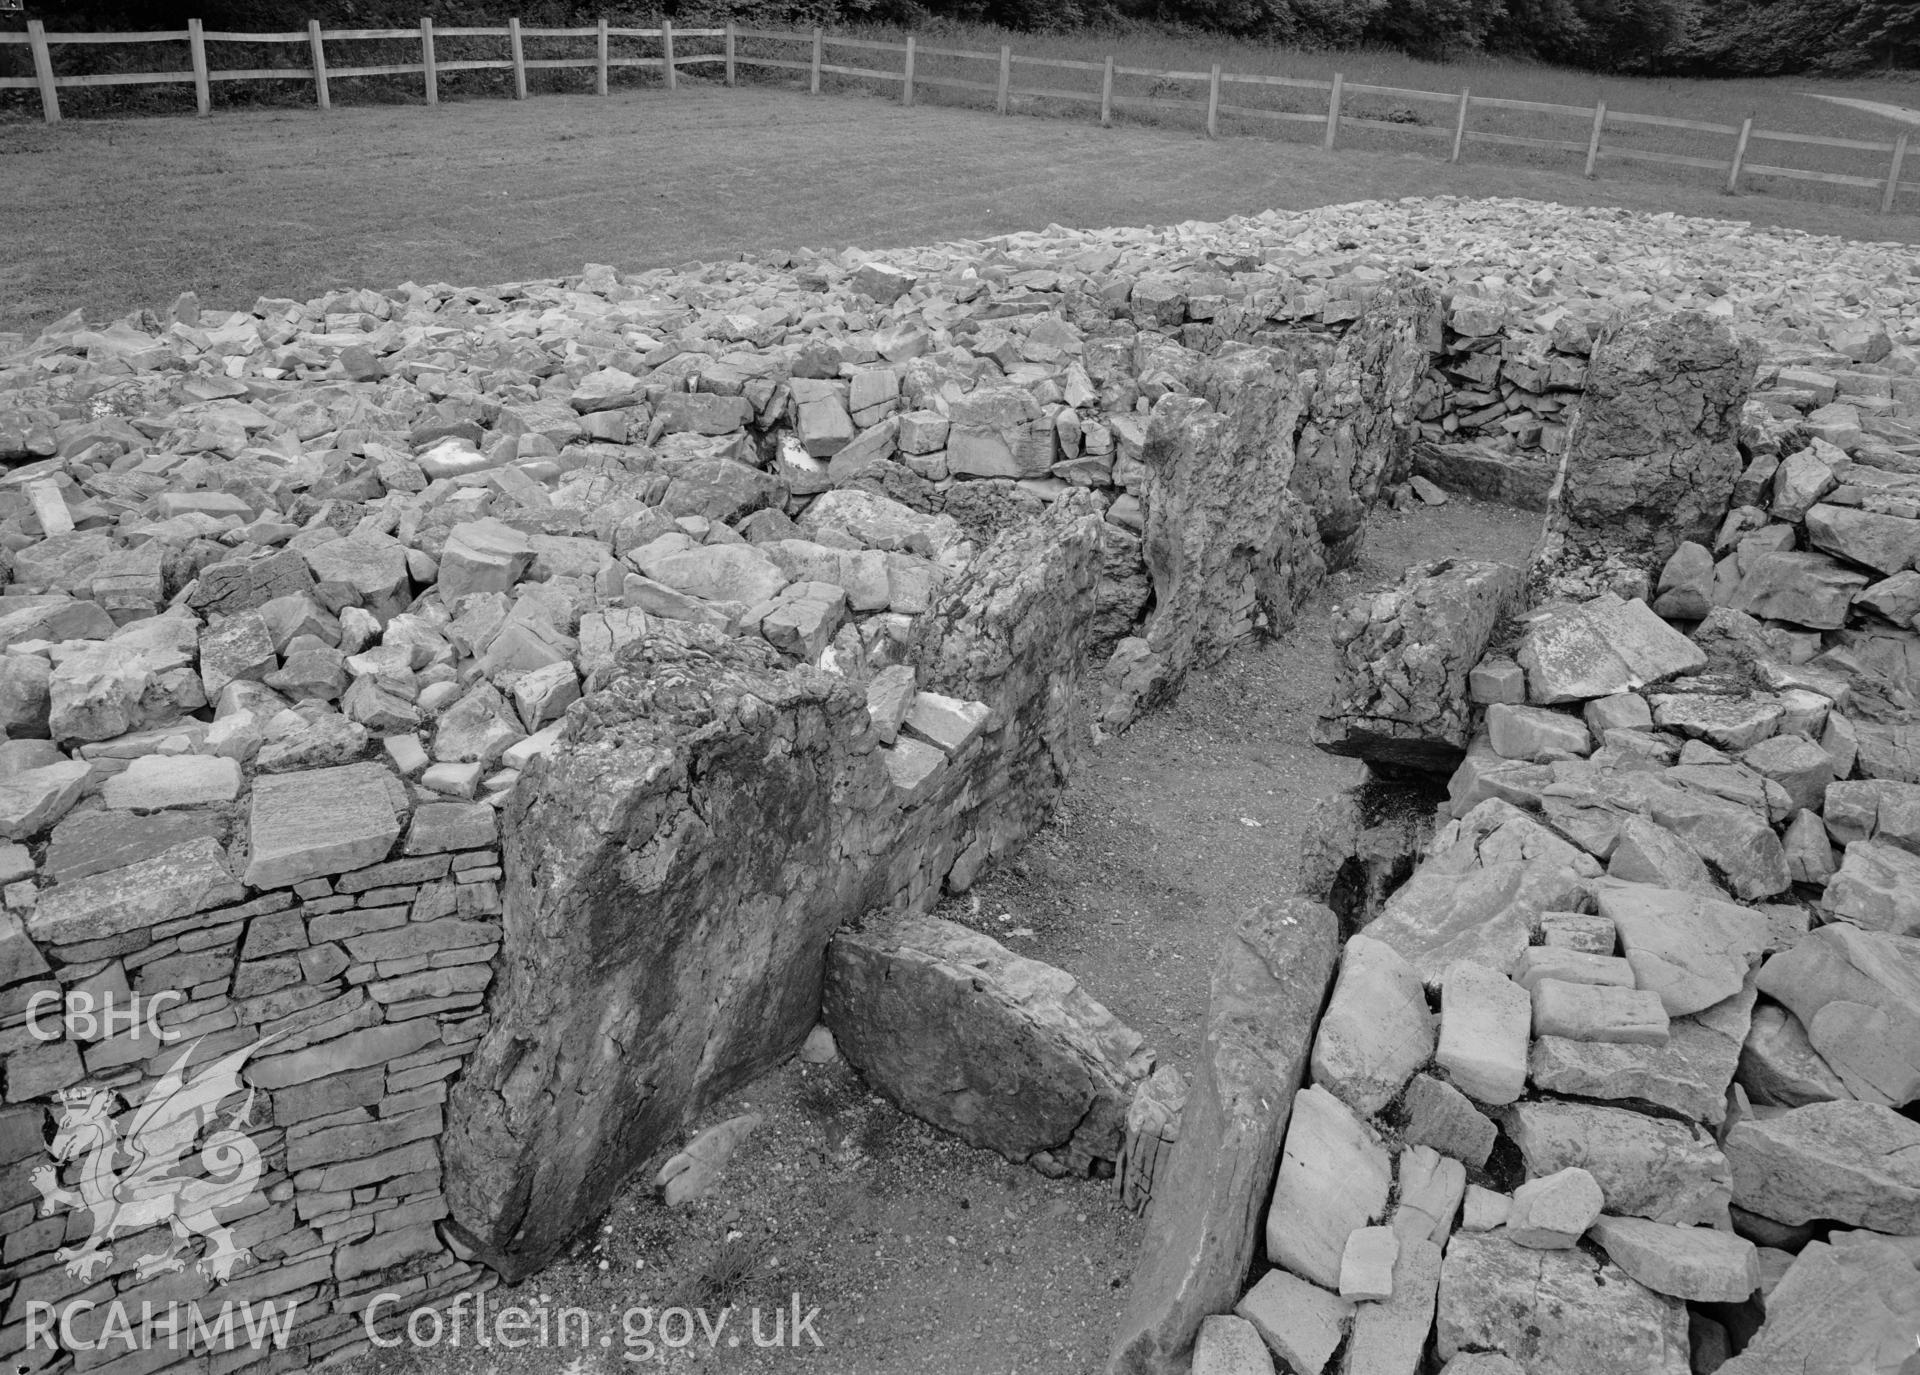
1621 1077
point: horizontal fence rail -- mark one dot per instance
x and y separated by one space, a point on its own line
994 76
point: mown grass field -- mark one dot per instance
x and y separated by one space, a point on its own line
109 214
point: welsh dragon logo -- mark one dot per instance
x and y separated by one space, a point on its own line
137 1181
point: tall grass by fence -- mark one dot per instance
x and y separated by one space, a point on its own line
1329 108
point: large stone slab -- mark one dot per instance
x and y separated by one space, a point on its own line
323 821
1267 986
1555 1312
1334 1176
1856 995
189 878
1646 1166
1844 1305
1484 1021
1779 1066
33 799
1301 1323
1878 887
1403 657
1377 1029
1004 1052
1485 915
1851 1162
1693 951
1574 652
1702 1264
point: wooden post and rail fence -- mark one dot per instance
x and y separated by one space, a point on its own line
913 76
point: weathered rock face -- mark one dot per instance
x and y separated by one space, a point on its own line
1004 1052
1651 459
1404 656
1267 988
648 976
1223 530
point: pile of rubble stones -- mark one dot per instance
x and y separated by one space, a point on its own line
1623 1078
293 594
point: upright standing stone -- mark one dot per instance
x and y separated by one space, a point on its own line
1651 458
1404 656
1267 988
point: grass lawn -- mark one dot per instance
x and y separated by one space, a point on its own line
109 215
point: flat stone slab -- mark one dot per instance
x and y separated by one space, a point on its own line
33 799
1555 1312
1003 1051
1703 1264
1646 1166
1485 915
1301 1323
1597 1012
1230 1346
1845 1304
1377 1029
1693 951
1388 1337
1484 1021
323 821
1851 1162
1689 1073
1573 653
1334 1176
189 878
157 782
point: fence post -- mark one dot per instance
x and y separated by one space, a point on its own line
197 45
1739 155
906 88
321 97
1460 123
813 80
1213 103
1333 111
1593 143
1006 76
666 55
1106 96
730 38
1893 174
43 70
431 71
600 57
519 52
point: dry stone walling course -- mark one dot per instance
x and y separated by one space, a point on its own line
1622 1078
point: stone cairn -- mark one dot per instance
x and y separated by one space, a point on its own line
1622 1078
368 663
